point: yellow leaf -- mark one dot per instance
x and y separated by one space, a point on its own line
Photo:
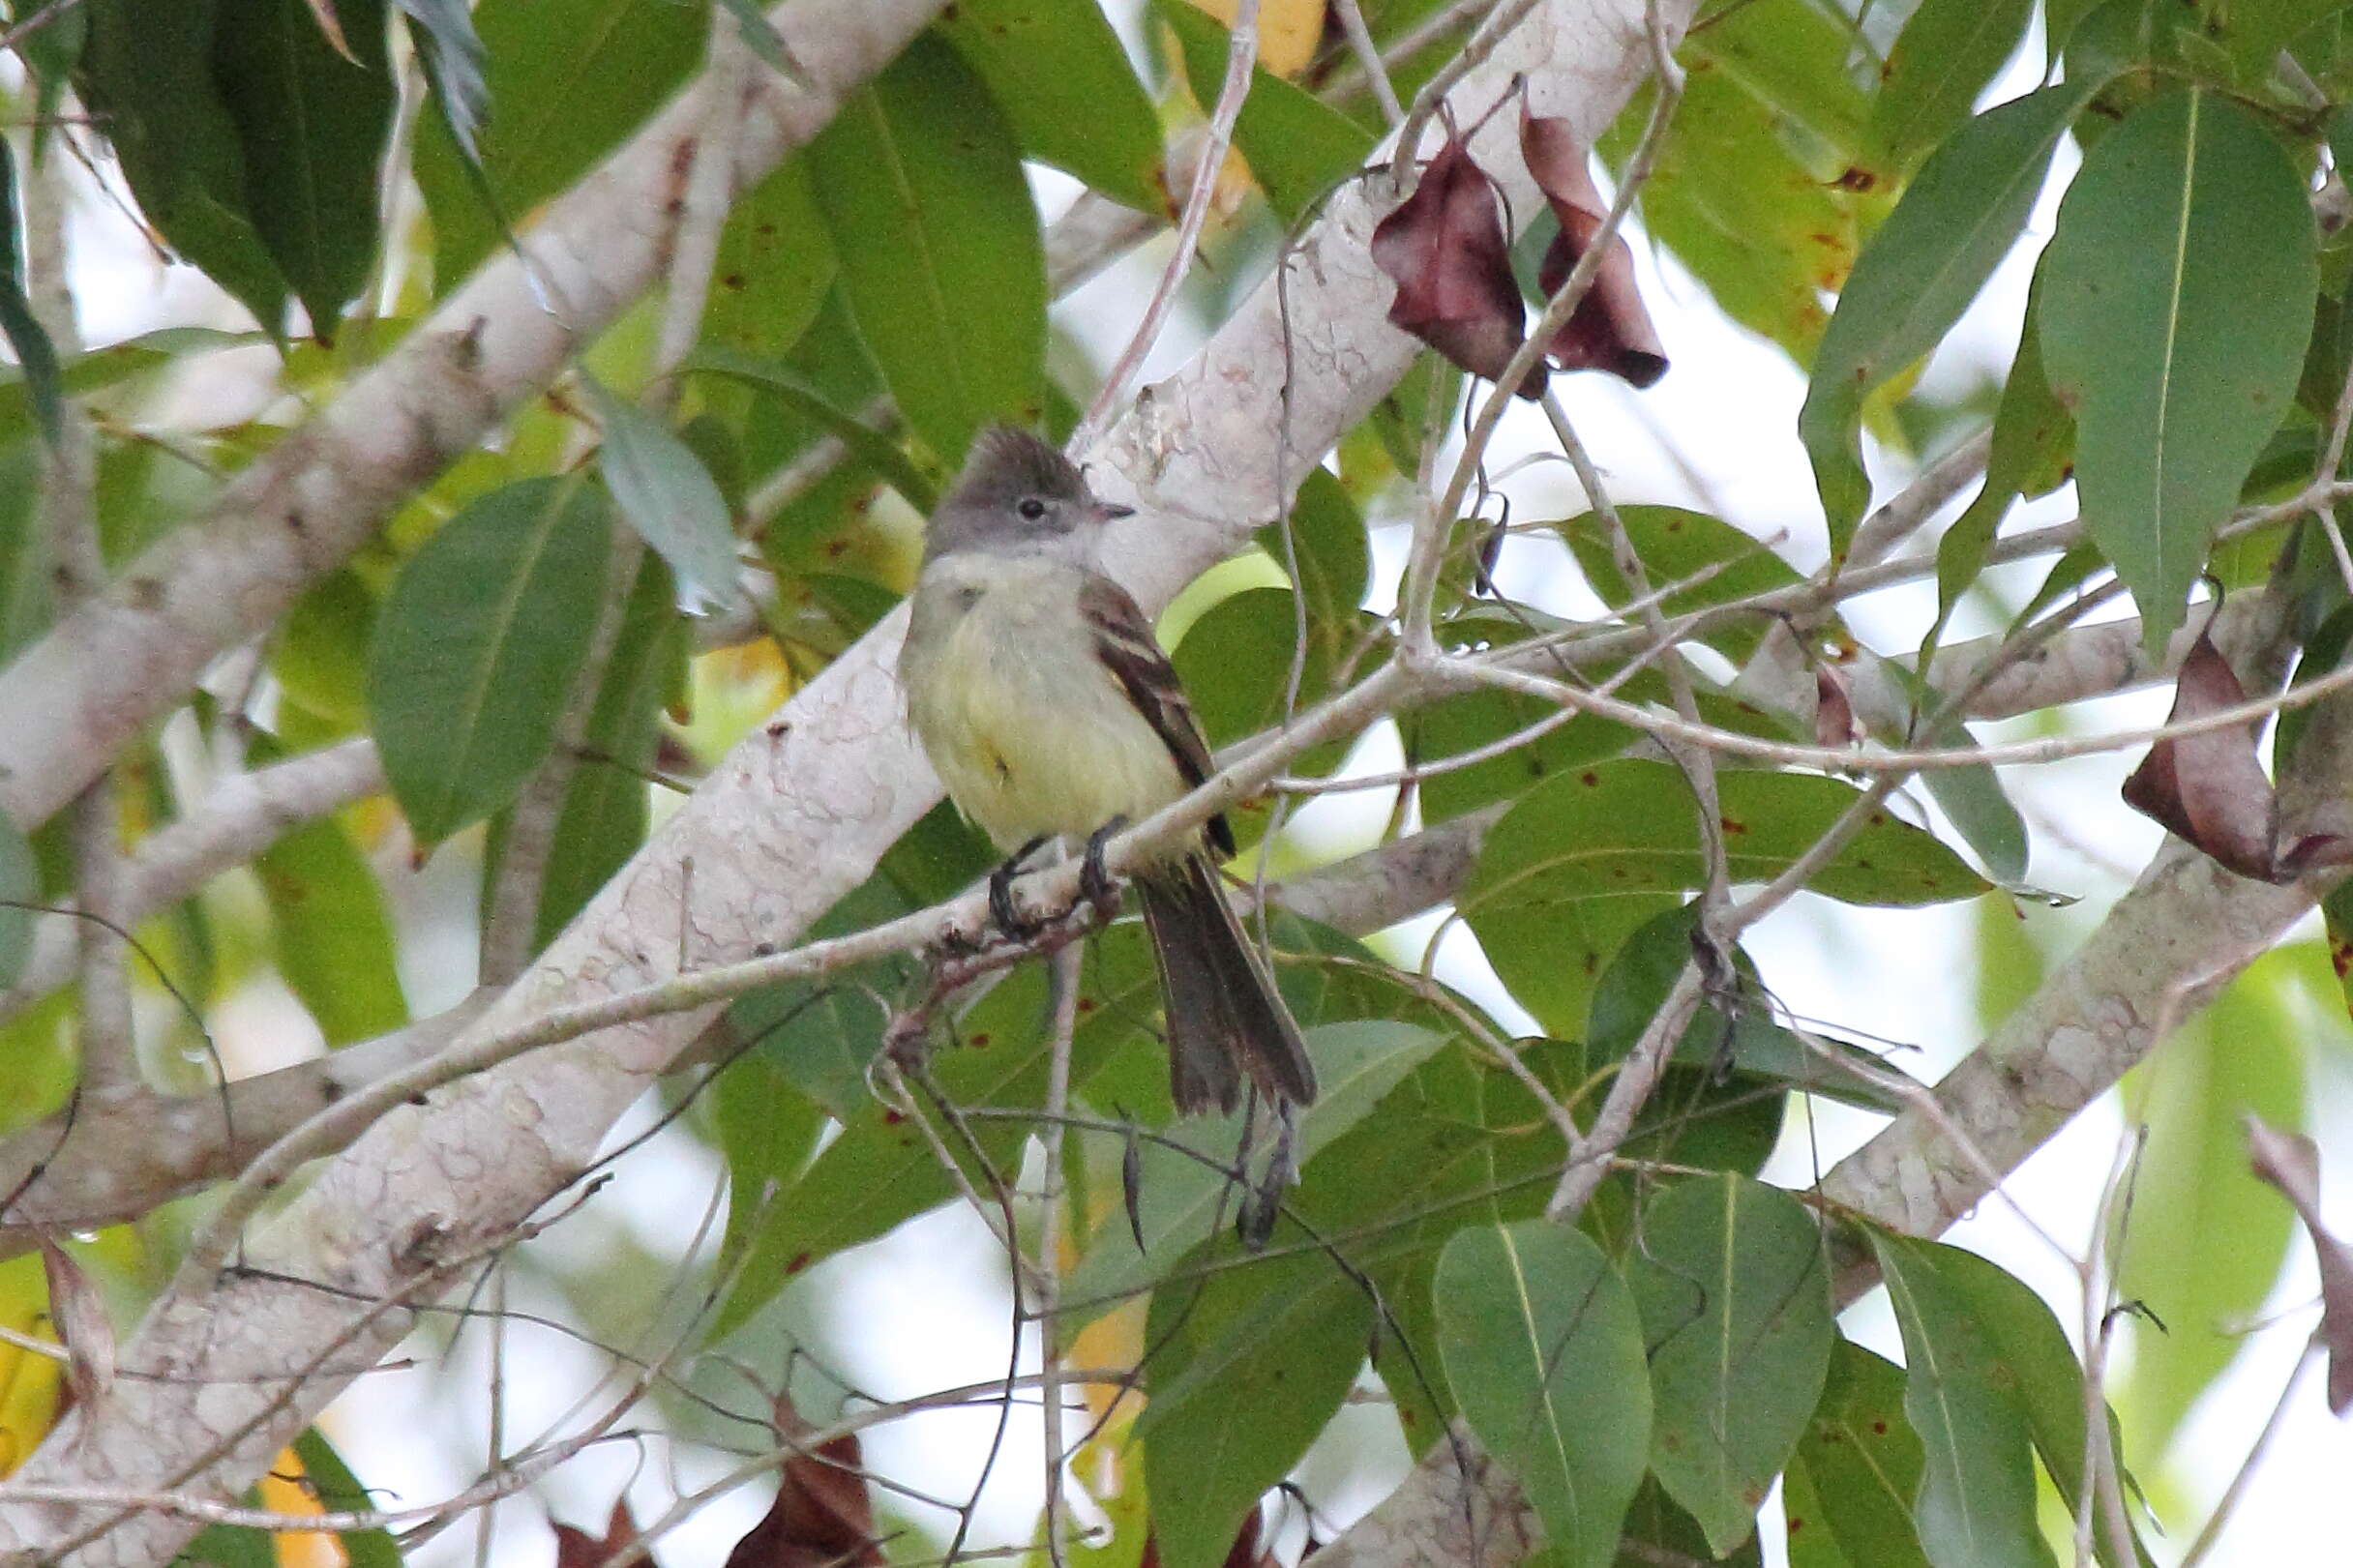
29 1380
1288 31
282 1491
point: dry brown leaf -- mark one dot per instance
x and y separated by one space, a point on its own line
1833 709
1445 248
2208 788
576 1548
822 1517
2291 1163
83 1327
1609 330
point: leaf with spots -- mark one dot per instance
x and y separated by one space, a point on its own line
1976 1507
1846 1497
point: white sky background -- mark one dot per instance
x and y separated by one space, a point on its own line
926 1306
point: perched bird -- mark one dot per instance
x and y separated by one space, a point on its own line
1050 712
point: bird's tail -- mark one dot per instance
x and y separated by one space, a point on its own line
1225 1017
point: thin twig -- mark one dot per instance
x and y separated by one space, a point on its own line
1053 1219
1242 59
2236 1492
1368 58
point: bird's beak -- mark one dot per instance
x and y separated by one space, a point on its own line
1111 511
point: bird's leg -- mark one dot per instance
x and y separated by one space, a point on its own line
1002 907
1095 885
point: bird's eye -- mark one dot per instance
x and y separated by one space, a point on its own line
1031 507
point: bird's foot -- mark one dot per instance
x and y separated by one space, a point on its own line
1004 908
1095 884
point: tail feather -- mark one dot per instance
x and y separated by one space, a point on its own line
1225 1018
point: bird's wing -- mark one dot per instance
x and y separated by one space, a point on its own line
1124 642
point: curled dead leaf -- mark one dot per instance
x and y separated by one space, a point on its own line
1833 709
83 1327
2291 1163
2208 788
1609 330
1445 250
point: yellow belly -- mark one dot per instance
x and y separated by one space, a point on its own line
1028 731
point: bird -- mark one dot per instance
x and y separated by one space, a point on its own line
1048 711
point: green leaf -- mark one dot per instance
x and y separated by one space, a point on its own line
1971 796
34 351
920 180
477 647
1236 662
1585 858
146 75
2034 1359
774 269
1791 59
1766 232
1959 219
767 1129
1847 1495
1544 1351
1298 146
453 59
669 497
810 402
2034 440
2206 1240
571 78
605 812
116 363
313 124
1456 725
233 1546
334 938
1283 1338
881 1169
1941 62
2177 302
1057 70
1335 555
1976 1507
338 1492
27 599
1677 545
1743 1038
822 1037
1733 1284
19 887
1657 1531
1180 1200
